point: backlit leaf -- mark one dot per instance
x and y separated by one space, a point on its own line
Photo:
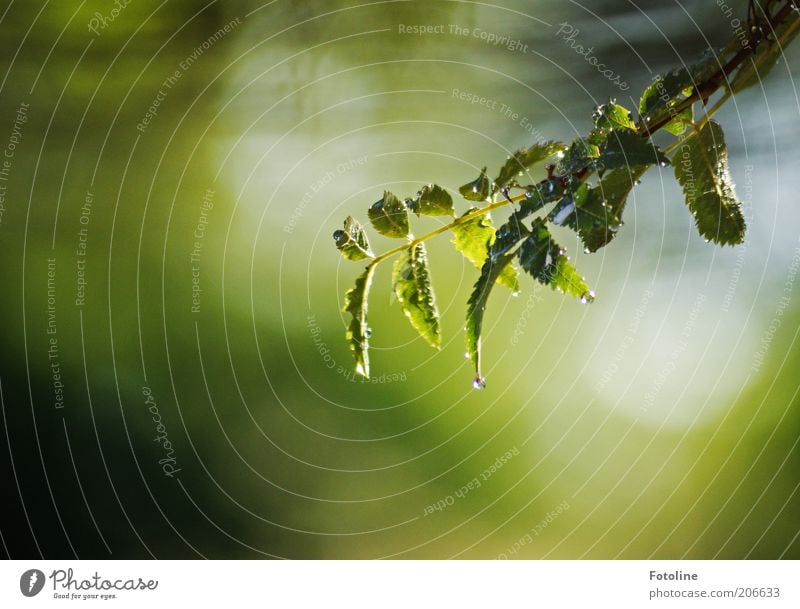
548 263
355 303
352 241
524 159
411 282
432 200
501 253
628 149
473 238
389 216
702 171
477 190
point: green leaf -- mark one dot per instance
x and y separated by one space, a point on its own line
612 116
432 200
499 257
580 155
473 238
703 173
661 98
477 190
628 149
540 195
389 216
596 213
548 263
355 303
524 159
411 282
607 118
352 241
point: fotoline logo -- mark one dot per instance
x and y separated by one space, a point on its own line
31 582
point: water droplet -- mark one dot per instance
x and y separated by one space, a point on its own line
479 383
368 332
475 188
515 294
338 235
407 313
662 163
377 204
360 369
466 355
528 194
586 250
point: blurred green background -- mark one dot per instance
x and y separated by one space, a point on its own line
661 421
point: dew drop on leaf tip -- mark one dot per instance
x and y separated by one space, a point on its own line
338 235
479 383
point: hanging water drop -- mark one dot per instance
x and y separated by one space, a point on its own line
479 383
338 235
